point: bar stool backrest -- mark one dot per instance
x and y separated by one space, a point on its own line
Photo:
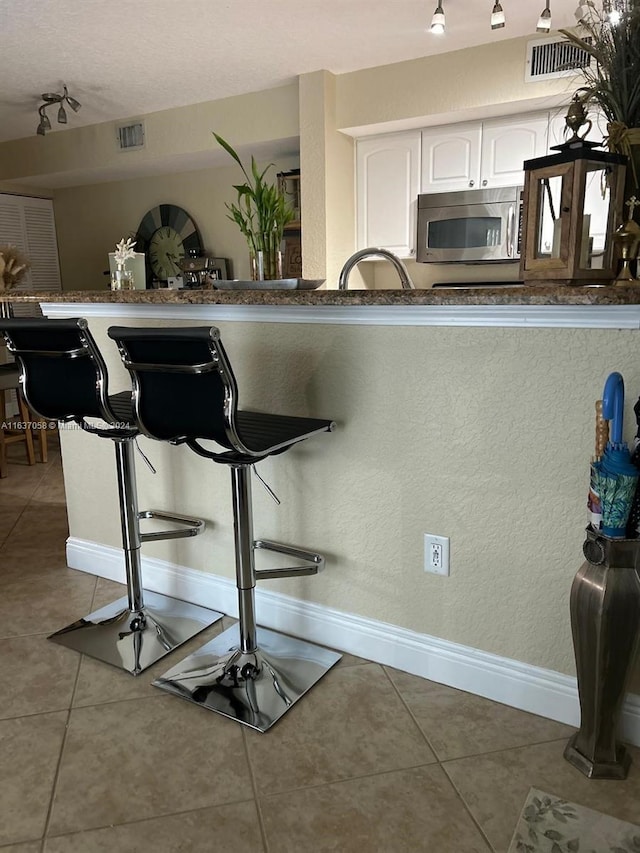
63 375
183 384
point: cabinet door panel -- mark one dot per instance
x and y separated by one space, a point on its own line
388 182
507 143
451 158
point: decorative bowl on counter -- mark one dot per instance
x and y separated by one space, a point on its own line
273 284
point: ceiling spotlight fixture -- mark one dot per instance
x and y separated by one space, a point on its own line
437 22
497 17
50 98
544 21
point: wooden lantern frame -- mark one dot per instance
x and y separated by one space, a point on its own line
572 164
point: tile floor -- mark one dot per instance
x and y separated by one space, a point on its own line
371 760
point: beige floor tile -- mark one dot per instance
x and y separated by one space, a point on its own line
29 847
351 723
51 488
40 521
406 811
233 828
146 758
22 479
44 603
458 723
495 786
9 515
36 676
99 682
29 751
350 660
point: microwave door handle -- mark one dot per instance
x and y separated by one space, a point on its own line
510 231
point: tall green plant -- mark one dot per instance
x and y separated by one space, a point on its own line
262 211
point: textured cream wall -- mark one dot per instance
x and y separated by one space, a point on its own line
327 180
488 78
183 132
482 435
90 220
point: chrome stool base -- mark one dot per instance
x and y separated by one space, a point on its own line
135 640
254 688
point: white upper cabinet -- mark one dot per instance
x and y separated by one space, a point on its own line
388 183
506 144
451 158
481 154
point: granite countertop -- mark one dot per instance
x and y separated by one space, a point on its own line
546 295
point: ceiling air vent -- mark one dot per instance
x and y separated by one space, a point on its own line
554 57
131 136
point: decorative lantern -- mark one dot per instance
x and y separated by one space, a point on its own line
572 205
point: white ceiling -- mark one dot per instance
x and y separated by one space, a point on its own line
122 59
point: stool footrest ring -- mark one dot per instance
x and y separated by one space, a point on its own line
314 562
188 526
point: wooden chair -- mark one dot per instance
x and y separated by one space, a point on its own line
9 381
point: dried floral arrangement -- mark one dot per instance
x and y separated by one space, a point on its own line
124 251
613 80
13 267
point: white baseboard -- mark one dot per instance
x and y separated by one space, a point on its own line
530 688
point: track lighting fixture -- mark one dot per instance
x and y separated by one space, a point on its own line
438 22
497 17
544 21
50 98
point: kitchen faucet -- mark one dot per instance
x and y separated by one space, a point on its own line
402 271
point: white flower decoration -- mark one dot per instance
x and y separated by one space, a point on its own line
124 251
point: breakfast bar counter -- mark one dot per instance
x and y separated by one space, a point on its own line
463 413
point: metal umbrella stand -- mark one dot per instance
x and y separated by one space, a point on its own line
605 608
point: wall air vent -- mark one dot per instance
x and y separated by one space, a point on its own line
554 57
131 136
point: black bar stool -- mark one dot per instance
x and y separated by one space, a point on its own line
249 674
64 378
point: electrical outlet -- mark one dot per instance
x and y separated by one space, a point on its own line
436 554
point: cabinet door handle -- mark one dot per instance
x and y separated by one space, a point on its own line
471 183
485 182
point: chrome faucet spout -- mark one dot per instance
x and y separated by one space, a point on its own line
403 273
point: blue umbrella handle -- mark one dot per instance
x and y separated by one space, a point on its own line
613 405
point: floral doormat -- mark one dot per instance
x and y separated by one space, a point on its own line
548 824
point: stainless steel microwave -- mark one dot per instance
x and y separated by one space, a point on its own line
472 226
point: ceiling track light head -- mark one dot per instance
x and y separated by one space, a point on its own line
438 23
497 16
544 21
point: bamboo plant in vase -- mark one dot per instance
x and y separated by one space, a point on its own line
611 35
261 213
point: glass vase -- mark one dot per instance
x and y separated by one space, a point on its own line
266 264
122 279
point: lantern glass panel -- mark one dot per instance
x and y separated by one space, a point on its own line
595 219
549 217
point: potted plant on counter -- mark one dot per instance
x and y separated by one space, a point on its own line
261 213
611 35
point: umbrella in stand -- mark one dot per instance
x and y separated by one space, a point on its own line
615 475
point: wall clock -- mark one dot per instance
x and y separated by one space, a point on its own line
166 234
